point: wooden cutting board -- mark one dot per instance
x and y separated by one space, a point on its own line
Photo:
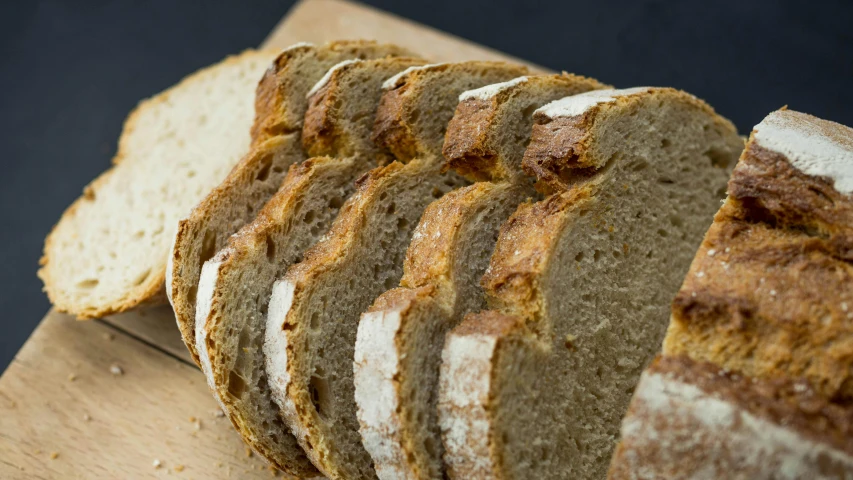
119 397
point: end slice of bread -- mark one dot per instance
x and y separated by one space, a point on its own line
768 292
235 286
280 105
398 346
108 252
579 282
315 309
696 420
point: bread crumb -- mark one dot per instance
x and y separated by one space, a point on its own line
72 377
115 369
192 419
54 455
218 413
86 417
109 336
179 468
156 463
218 464
249 452
197 425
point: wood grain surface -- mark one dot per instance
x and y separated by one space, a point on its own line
120 397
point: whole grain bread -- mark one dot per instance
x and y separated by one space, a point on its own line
280 105
692 419
235 286
399 340
769 291
314 310
579 282
108 252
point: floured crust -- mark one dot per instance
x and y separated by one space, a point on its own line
562 139
470 149
398 111
768 291
778 428
467 384
152 290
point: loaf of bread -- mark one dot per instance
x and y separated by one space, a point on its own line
108 252
315 308
769 291
398 346
693 419
578 282
280 105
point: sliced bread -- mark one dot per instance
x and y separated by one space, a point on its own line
108 252
314 311
579 283
280 105
769 292
696 420
235 285
398 346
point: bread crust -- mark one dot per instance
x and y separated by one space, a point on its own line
768 291
151 291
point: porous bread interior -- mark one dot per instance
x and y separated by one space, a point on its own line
421 334
332 310
322 323
260 253
236 201
613 266
108 252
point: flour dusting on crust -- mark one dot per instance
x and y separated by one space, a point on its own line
579 104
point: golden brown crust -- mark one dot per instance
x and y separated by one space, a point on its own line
467 145
768 291
521 254
490 323
429 259
785 401
560 146
390 130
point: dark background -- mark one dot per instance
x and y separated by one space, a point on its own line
71 71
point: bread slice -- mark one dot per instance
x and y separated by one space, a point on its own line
107 254
769 293
696 420
579 282
280 105
314 310
398 346
235 285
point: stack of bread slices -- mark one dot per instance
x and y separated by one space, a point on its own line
393 269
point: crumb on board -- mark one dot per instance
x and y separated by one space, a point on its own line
109 336
72 377
54 455
115 369
179 468
218 413
249 452
156 463
86 417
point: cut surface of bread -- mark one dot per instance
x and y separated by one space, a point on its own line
399 340
108 252
315 309
769 291
697 420
235 285
579 283
280 105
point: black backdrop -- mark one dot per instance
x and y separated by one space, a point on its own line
70 72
